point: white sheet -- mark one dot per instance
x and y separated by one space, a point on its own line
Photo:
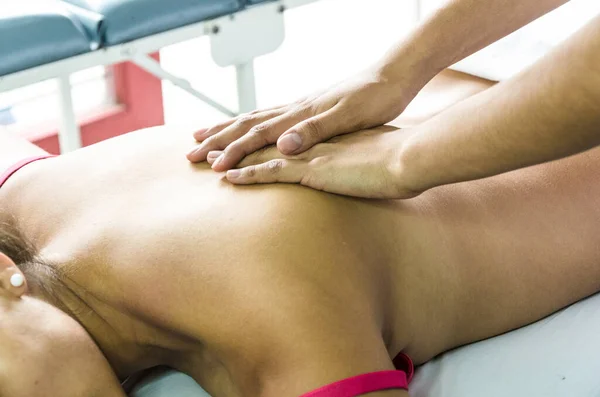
168 384
558 356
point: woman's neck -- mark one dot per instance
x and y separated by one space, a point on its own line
129 344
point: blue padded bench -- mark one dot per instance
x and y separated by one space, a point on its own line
59 29
45 39
127 20
36 33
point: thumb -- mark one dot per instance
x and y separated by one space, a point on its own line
309 132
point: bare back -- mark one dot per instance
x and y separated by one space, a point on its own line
273 273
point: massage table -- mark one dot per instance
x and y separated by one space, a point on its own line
52 39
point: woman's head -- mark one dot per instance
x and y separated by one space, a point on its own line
43 351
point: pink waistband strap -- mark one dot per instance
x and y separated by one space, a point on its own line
11 170
404 363
363 384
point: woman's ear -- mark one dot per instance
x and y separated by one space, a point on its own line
12 280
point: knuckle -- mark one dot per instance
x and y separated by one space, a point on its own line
302 110
275 166
315 107
251 171
312 181
260 129
319 161
314 128
245 120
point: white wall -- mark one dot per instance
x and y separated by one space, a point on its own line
325 42
331 39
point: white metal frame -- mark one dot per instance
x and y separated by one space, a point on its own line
249 24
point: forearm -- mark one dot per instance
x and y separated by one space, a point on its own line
456 31
550 111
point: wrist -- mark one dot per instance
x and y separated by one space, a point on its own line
411 65
409 168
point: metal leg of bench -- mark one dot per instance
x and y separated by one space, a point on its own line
246 86
418 12
150 65
69 135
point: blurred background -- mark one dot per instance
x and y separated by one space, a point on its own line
326 41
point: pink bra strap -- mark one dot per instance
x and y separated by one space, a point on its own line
10 171
363 384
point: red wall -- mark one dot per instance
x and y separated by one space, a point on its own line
139 95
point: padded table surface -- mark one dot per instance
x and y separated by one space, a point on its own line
127 20
257 1
558 356
36 32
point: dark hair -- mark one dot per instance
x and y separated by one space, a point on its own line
19 249
14 245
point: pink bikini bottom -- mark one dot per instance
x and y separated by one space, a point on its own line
369 383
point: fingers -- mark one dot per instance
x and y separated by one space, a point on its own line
258 157
314 130
230 133
205 133
212 156
278 170
258 137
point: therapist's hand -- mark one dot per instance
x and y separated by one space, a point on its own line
367 100
363 164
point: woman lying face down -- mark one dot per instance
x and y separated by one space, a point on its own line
43 350
133 258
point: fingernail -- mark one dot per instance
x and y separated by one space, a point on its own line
194 151
213 155
217 161
290 143
233 174
200 133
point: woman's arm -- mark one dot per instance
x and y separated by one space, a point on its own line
376 96
457 30
552 110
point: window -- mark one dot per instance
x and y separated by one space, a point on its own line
108 101
37 106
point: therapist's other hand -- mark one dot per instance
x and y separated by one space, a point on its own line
363 164
364 101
